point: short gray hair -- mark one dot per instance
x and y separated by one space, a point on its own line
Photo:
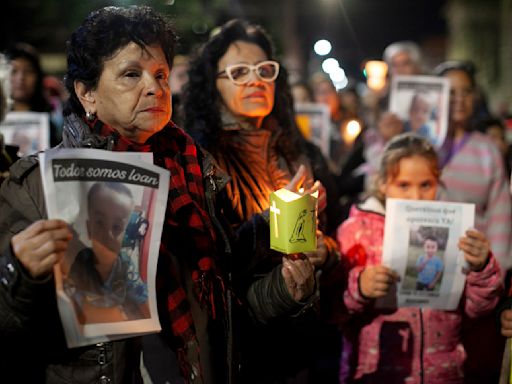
409 47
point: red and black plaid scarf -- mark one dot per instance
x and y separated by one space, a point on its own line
187 235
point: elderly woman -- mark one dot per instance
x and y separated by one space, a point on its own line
118 78
238 106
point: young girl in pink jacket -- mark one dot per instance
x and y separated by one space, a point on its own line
405 345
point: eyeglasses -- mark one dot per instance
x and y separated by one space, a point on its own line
240 74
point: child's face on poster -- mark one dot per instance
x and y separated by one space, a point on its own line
108 218
419 113
430 247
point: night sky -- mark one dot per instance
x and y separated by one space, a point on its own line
358 29
361 29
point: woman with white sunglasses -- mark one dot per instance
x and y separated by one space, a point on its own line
238 106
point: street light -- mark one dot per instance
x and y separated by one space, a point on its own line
329 65
322 47
337 75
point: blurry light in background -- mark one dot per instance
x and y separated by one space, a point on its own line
337 75
352 130
322 47
376 72
329 65
341 84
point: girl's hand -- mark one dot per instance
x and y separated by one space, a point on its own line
299 277
476 249
506 323
41 245
319 257
375 281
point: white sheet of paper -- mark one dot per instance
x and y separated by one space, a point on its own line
408 224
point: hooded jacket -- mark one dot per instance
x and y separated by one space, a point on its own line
400 345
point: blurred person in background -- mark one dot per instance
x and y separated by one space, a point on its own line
351 101
341 139
402 58
496 130
302 93
346 144
7 153
473 172
56 94
27 91
178 79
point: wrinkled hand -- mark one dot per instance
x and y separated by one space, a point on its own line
476 249
389 125
299 277
41 245
506 323
318 257
375 281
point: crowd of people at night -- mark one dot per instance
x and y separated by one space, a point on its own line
222 120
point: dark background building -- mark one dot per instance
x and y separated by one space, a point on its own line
358 29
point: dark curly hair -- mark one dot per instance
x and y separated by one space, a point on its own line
38 102
102 34
202 100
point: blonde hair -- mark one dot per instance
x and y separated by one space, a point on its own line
401 147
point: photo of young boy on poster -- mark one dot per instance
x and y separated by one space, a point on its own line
104 279
106 282
425 262
421 102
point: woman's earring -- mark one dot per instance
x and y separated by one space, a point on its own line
90 116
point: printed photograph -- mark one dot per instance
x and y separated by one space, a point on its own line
425 258
421 102
105 272
29 131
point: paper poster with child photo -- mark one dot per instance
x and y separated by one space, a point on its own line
422 102
421 246
113 204
29 131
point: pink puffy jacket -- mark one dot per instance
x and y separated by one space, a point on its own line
405 345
